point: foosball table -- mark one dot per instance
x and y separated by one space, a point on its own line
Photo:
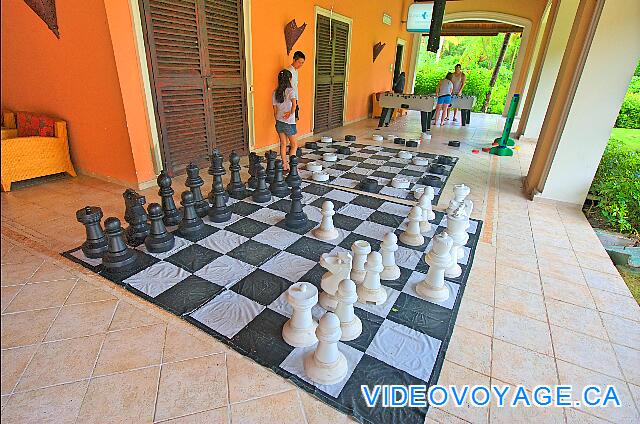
426 104
465 104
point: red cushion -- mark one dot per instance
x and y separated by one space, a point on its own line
30 125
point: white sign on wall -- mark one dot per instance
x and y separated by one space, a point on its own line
386 19
419 17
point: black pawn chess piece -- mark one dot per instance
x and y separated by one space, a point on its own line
219 212
271 165
293 179
95 246
136 216
159 239
194 181
191 224
296 218
217 170
279 187
261 194
119 257
172 216
235 187
299 152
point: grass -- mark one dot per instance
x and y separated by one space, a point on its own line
629 137
632 278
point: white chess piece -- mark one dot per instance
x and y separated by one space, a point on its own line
431 194
460 193
388 249
457 224
468 208
412 236
326 230
300 330
360 250
326 364
371 291
338 268
350 324
424 202
438 258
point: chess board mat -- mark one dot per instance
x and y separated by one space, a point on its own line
377 162
231 283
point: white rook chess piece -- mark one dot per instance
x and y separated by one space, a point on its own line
438 258
326 230
457 224
412 236
388 249
431 194
300 330
460 193
371 291
326 364
360 250
424 202
338 268
350 324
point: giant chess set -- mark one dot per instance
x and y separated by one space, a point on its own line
328 288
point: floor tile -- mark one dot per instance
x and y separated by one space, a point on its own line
317 412
580 416
615 304
577 294
629 360
520 302
576 318
453 374
248 380
16 274
283 408
41 295
129 316
24 328
522 414
519 279
181 345
558 270
519 366
51 272
622 331
84 292
522 331
607 282
7 294
14 362
213 416
476 355
73 320
475 316
596 262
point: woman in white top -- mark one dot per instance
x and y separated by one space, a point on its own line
458 79
284 108
443 93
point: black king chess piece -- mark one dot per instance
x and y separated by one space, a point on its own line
95 246
194 181
136 217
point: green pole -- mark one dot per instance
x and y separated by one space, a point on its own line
504 141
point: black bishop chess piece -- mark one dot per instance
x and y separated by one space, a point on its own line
159 239
271 157
194 181
236 187
136 217
279 187
95 246
261 194
217 171
191 225
296 218
293 179
172 215
219 212
119 257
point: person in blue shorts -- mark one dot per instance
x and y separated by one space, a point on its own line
443 93
284 111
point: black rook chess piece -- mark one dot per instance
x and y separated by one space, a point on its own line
194 181
293 179
172 216
217 170
296 218
95 246
191 224
279 187
235 187
261 194
271 165
219 212
159 239
119 257
136 217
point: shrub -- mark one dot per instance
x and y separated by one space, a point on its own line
629 116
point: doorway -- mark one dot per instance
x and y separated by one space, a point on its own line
397 65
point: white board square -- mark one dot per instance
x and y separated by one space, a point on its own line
228 313
157 278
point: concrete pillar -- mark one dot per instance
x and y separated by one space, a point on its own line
600 59
553 58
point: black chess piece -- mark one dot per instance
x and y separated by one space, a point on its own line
194 181
296 218
399 140
217 171
437 169
350 137
95 246
411 143
235 187
261 194
369 185
172 216
119 257
454 143
343 150
219 212
159 239
279 187
191 224
293 179
299 152
311 145
271 165
430 180
253 180
136 216
446 160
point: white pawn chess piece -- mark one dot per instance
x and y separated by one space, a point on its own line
438 258
388 249
350 324
326 230
457 224
338 268
300 330
424 202
371 291
460 193
431 194
360 250
326 364
412 236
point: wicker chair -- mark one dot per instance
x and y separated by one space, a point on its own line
31 157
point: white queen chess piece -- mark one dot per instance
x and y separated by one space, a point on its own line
300 330
457 224
412 236
371 291
360 250
326 230
338 268
350 324
326 364
438 258
388 249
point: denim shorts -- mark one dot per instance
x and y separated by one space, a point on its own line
288 129
444 100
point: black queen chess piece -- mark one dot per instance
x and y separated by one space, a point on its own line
172 215
136 216
95 246
236 187
194 181
119 257
217 171
159 239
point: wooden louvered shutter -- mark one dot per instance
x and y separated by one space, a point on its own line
339 72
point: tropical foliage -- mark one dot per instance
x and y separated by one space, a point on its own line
629 116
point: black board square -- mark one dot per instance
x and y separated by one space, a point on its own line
385 218
241 196
381 174
420 315
353 176
368 202
368 151
346 222
370 325
244 208
340 167
143 261
319 201
206 232
357 158
188 295
282 205
253 253
368 166
314 275
193 257
261 340
310 248
399 282
247 227
310 225
317 189
420 248
411 173
379 157
352 238
261 287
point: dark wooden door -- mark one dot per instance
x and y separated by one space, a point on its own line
195 49
332 42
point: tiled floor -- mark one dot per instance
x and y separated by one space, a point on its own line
543 305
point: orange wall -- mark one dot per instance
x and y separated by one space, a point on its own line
73 78
365 77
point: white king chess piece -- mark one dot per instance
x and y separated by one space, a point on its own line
338 268
300 330
388 249
350 324
326 364
438 258
457 224
326 230
360 250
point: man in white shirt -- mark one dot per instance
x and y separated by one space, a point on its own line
298 61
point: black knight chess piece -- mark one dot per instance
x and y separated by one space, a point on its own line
279 187
159 239
296 218
95 246
236 187
191 224
119 257
219 212
293 179
217 171
136 216
194 181
172 216
261 194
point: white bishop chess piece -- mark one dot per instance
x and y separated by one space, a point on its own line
350 324
360 250
326 364
300 330
457 224
338 268
388 249
371 291
438 258
326 230
412 235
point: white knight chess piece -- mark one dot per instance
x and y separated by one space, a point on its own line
338 268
